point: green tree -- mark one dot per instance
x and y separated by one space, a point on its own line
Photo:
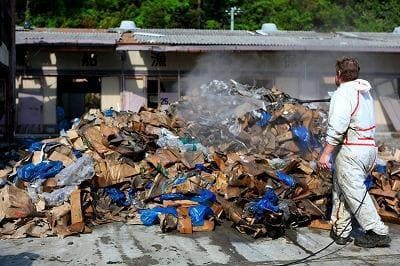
319 15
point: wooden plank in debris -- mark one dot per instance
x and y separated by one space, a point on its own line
208 226
77 224
389 217
320 224
392 108
380 192
396 185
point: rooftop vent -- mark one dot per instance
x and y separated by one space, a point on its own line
267 28
396 30
127 25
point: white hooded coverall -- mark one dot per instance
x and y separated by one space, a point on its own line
351 127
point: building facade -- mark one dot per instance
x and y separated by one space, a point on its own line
74 70
7 63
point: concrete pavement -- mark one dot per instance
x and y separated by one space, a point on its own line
122 244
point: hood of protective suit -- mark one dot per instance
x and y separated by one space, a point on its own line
358 84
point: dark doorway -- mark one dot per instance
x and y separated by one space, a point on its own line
76 95
152 93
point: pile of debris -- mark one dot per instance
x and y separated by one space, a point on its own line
385 185
252 161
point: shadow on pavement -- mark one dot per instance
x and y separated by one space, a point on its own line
24 258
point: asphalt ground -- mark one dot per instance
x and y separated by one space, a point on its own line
122 244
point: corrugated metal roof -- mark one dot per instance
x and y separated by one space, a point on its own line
280 40
66 37
202 40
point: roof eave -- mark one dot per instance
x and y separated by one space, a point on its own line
206 48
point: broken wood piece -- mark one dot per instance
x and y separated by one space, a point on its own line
77 223
380 192
389 217
320 224
208 226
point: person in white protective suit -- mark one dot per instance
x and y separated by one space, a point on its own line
350 139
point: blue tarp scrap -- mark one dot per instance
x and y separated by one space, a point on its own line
199 213
369 182
265 118
108 112
304 139
269 202
205 197
200 167
286 179
117 196
43 170
173 196
35 146
179 180
380 168
150 216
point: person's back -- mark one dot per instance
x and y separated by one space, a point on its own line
351 129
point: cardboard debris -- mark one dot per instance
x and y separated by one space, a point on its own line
241 160
15 203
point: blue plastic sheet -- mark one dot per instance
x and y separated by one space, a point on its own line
172 196
201 167
108 112
150 216
368 182
77 153
199 213
205 197
35 146
43 170
269 202
286 179
264 120
179 180
380 168
304 139
117 196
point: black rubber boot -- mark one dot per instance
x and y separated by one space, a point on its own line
340 240
372 240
